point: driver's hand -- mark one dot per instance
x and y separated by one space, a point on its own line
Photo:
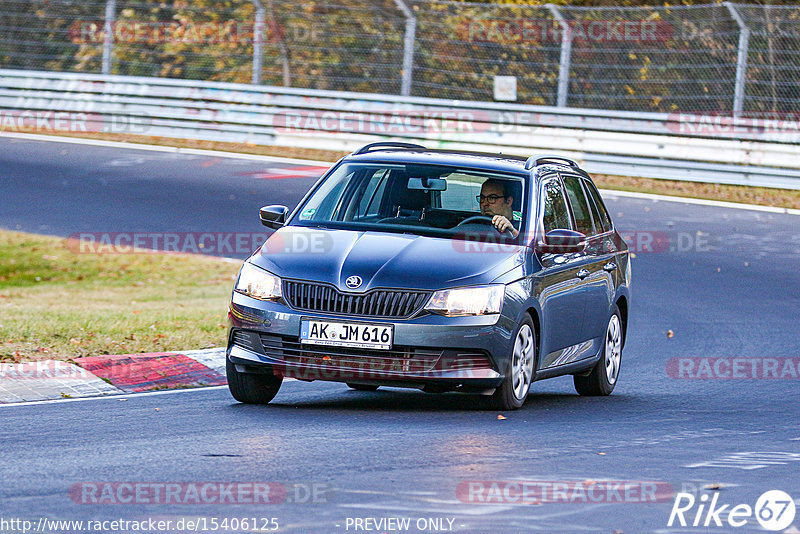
502 224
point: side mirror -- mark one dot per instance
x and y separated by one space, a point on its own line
273 216
562 241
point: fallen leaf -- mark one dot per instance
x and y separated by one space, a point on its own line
500 418
156 409
670 334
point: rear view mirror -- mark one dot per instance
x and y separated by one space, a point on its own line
273 216
428 184
562 241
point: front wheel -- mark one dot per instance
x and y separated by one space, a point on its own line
519 373
603 377
251 388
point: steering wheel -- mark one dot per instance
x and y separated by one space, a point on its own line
483 219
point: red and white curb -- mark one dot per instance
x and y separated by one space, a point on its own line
94 376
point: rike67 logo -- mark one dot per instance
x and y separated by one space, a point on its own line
774 510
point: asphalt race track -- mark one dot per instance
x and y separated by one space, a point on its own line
723 281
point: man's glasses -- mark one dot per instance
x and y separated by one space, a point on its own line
490 198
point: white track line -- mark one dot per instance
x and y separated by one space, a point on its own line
701 202
114 397
158 148
295 161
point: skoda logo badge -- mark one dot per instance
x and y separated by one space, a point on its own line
353 282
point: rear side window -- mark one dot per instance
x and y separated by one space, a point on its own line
556 214
580 206
601 218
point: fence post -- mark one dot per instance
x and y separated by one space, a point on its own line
566 56
258 42
108 35
408 47
741 60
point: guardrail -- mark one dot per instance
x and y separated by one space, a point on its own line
721 150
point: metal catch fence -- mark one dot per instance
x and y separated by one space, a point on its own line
726 59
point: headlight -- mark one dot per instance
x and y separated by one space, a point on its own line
258 283
483 300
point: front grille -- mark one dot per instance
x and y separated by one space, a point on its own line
395 303
398 360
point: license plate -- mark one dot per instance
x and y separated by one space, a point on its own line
341 334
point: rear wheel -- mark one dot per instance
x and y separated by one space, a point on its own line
252 388
604 375
362 387
519 374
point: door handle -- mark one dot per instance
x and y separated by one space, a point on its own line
583 273
610 266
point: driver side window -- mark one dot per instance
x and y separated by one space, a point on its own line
556 214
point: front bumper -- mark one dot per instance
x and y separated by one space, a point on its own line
429 351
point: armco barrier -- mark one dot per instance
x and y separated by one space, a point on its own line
707 149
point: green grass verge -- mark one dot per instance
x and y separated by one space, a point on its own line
56 303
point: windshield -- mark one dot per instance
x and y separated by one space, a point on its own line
418 199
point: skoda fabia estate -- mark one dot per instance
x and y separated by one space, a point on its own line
438 270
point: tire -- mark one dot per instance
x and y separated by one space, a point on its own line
362 387
605 375
519 373
251 388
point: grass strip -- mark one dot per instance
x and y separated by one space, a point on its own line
57 303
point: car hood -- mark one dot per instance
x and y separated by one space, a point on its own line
383 259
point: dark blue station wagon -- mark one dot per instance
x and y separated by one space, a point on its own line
439 270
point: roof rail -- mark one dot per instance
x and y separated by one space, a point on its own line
388 144
539 159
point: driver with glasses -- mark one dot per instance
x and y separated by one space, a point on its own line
495 201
